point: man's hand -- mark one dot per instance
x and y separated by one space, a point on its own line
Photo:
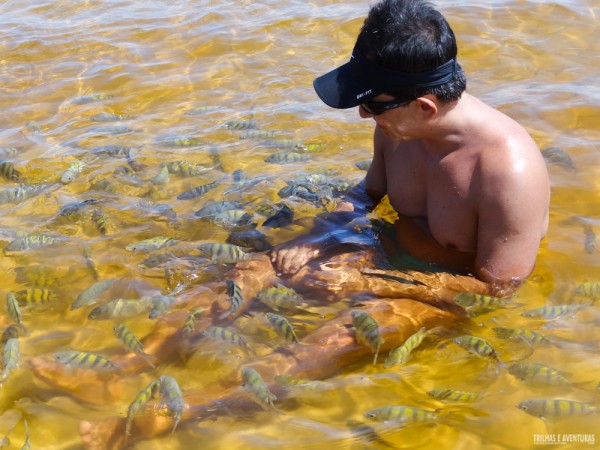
289 257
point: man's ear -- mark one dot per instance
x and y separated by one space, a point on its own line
428 106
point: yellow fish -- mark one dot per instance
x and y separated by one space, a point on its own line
367 331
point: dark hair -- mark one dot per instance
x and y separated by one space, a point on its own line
412 36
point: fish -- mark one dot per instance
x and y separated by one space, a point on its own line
121 309
287 158
158 208
241 125
471 300
537 373
10 358
171 398
366 432
12 306
34 297
8 171
549 408
74 207
235 294
13 331
90 295
553 312
475 345
589 289
115 151
30 242
181 141
281 297
250 239
363 165
283 327
403 415
213 208
21 193
110 129
150 244
162 177
451 395
225 335
282 218
589 240
143 397
71 173
530 336
367 331
401 354
84 360
100 219
108 117
202 110
256 134
232 219
220 253
187 169
257 389
130 340
161 304
282 143
311 147
558 156
190 321
91 98
197 191
156 260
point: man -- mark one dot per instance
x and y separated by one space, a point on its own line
469 184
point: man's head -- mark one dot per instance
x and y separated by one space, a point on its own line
405 49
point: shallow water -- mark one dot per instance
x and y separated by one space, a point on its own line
155 61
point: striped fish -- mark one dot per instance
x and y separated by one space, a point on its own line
213 208
187 169
30 242
10 358
120 309
12 306
367 331
283 327
402 415
528 335
471 300
553 312
34 297
537 373
190 321
475 345
154 243
220 253
144 396
589 239
241 125
91 98
225 335
108 117
401 354
197 191
590 289
70 174
8 171
84 360
235 294
255 386
161 304
256 134
90 295
546 408
21 193
287 158
130 340
100 219
171 398
451 395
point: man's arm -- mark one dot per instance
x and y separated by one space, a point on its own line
513 214
290 256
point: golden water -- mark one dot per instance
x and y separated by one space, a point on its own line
536 61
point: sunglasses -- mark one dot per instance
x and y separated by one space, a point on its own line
376 108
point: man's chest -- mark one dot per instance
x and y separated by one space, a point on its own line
441 194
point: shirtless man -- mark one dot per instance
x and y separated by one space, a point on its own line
469 184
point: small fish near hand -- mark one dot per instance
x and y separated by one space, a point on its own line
367 331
